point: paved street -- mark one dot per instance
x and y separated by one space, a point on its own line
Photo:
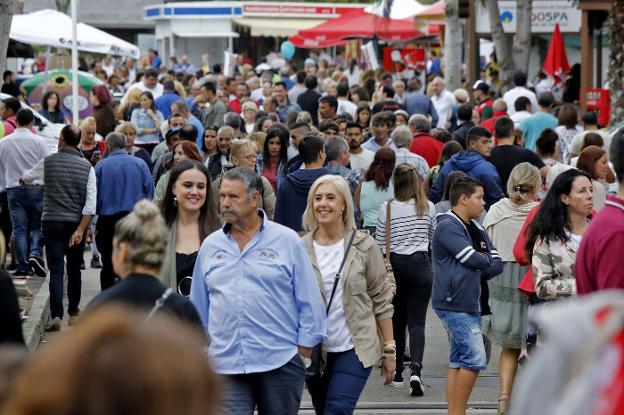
380 399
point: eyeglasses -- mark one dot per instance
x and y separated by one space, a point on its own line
250 157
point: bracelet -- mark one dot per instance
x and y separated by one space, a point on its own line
388 357
390 343
389 349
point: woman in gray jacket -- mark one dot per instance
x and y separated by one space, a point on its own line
362 303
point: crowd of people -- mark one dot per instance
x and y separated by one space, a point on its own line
302 222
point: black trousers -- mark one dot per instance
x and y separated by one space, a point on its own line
56 236
413 278
104 232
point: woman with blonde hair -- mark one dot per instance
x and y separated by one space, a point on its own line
139 247
124 112
90 147
352 280
120 365
409 221
507 323
250 110
129 131
243 153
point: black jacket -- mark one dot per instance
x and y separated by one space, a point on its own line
461 133
308 101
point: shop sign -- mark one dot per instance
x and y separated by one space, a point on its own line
544 15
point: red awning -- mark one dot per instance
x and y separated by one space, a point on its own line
355 25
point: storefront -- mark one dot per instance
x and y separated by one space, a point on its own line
252 28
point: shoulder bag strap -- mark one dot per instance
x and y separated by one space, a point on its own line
344 259
388 218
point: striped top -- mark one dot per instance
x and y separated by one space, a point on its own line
409 233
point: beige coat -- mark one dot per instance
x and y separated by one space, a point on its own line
367 295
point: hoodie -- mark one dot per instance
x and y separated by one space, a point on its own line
292 196
474 165
458 267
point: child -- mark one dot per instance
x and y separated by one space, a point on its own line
462 255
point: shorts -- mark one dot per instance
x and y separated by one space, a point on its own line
466 342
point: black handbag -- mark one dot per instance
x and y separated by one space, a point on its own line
318 356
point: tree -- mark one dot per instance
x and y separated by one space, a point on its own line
7 9
516 55
452 45
62 5
616 60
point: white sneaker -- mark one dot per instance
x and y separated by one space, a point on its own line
395 384
416 386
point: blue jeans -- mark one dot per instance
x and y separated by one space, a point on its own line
466 341
26 207
56 237
339 389
277 392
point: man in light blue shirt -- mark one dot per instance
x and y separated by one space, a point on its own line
257 296
533 126
381 125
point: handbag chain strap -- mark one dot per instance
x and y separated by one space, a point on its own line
344 259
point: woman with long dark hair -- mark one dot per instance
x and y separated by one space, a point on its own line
147 120
449 149
411 226
363 115
376 188
51 108
274 158
556 232
191 215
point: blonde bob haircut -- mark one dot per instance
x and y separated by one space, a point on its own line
238 146
342 189
523 180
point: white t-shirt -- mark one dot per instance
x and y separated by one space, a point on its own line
361 162
513 94
443 104
346 107
329 259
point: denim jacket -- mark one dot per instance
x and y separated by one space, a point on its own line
142 120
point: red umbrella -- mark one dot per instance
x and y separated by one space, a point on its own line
354 25
556 63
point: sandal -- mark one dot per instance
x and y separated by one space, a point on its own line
503 400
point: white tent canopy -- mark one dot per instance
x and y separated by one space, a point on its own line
52 28
401 9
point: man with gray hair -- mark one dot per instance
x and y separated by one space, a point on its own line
402 139
181 107
424 144
220 160
258 342
233 120
337 156
122 180
443 100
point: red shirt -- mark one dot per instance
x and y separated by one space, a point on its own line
598 262
487 103
427 147
489 123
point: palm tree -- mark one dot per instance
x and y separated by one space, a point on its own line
510 56
452 45
616 60
7 9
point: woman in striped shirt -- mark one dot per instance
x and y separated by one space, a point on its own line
411 226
